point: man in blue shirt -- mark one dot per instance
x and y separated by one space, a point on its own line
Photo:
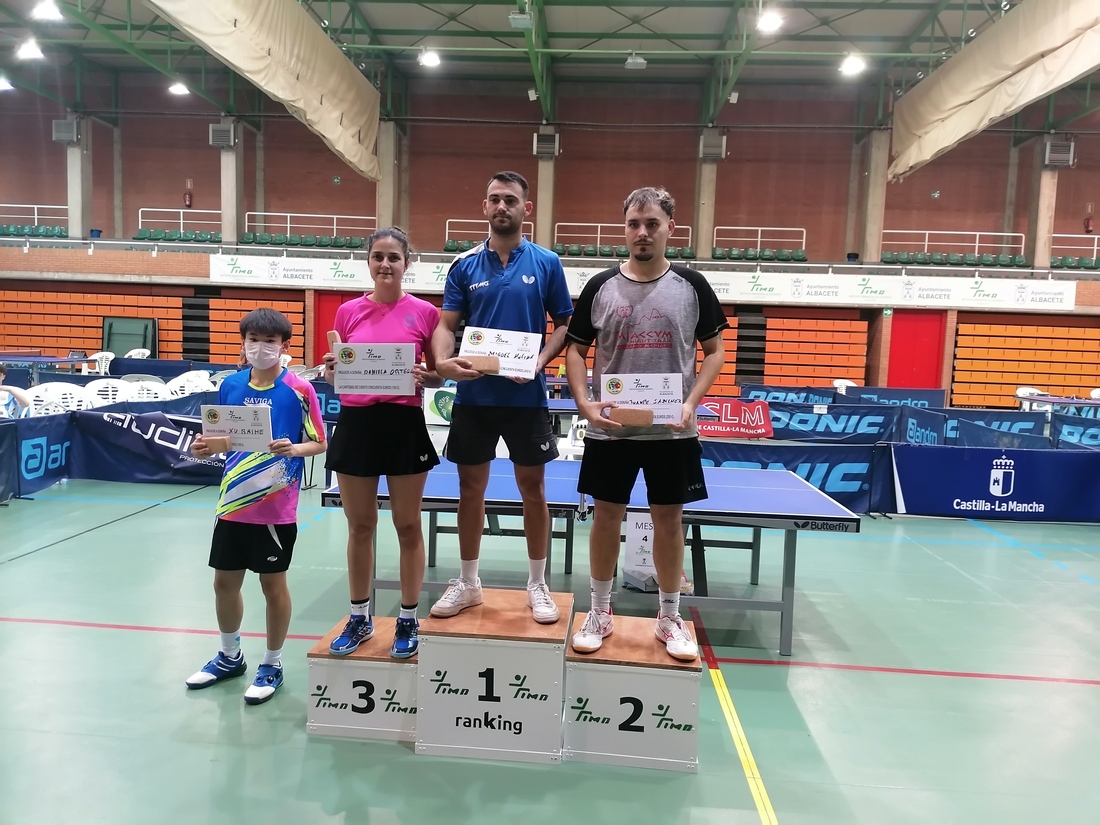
505 283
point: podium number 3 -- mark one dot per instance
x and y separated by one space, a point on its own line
366 691
635 712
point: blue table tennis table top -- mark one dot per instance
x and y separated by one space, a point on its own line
750 497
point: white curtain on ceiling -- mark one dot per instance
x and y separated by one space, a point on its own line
1037 48
279 48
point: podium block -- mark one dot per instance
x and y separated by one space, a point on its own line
492 681
364 695
630 703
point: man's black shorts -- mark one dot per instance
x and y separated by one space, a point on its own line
261 548
672 467
475 430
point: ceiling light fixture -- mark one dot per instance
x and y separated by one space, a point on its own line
428 58
5 85
769 21
46 10
853 64
178 88
532 94
28 50
635 61
520 20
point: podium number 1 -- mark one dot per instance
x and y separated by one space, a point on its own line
489 695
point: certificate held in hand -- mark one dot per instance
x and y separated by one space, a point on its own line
517 352
247 429
660 395
375 369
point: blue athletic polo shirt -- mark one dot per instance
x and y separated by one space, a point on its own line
516 297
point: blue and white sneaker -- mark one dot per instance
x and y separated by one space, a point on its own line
406 639
269 678
218 669
355 632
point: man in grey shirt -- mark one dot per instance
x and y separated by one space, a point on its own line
645 316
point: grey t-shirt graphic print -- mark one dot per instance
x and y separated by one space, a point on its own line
646 327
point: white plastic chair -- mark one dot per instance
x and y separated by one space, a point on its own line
1095 394
217 378
137 353
102 364
1024 393
109 391
189 383
842 385
284 360
136 377
46 408
68 396
149 391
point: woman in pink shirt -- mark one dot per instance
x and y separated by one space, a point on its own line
380 435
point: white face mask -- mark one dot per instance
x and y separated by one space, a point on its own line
261 354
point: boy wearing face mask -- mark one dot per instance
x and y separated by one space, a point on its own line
256 522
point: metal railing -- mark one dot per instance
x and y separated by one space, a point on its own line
461 229
760 237
921 240
34 214
608 234
301 223
1075 246
181 219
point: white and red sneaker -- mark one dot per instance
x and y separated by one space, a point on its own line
597 626
672 631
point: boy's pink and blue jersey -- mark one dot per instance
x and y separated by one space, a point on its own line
411 320
261 488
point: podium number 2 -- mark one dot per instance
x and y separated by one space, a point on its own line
636 711
488 695
366 691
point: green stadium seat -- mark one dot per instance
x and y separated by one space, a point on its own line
55 232
293 240
142 234
970 259
173 235
719 253
264 238
687 253
26 230
204 236
355 243
279 239
607 251
558 249
215 237
590 250
987 260
62 231
937 259
621 251
4 231
451 245
751 254
158 235
13 230
954 259
324 240
1070 262
905 258
1056 262
1019 260
574 250
1088 263
736 253
247 237
889 257
309 240
340 241
672 252
466 246
40 231
188 235
921 258
1002 260
799 255
783 255
767 254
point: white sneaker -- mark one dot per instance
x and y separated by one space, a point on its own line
597 627
542 605
671 631
456 598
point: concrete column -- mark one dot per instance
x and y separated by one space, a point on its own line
78 162
706 193
116 135
874 196
403 179
1009 221
1040 213
232 161
851 218
387 190
261 184
544 200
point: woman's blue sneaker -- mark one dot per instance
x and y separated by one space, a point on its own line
269 678
406 639
355 632
218 669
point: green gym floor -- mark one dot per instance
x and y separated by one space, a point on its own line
943 672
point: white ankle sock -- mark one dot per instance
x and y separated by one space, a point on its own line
536 571
601 595
469 571
274 657
360 608
670 604
408 612
231 644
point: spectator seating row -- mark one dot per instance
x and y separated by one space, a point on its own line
11 230
735 253
1070 262
953 259
294 239
178 236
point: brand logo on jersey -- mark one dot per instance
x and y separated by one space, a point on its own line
478 285
213 416
625 311
475 337
528 279
346 355
614 386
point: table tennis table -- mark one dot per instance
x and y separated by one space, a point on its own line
757 499
36 362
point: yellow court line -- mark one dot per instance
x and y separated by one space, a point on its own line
748 764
